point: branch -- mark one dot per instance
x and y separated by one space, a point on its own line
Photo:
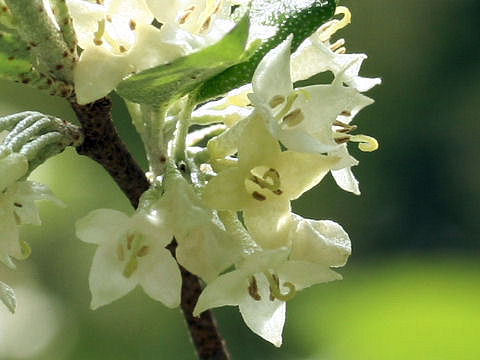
103 144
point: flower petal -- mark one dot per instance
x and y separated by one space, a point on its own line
12 167
159 276
304 274
101 226
86 16
97 73
272 76
319 241
227 289
226 191
107 282
265 318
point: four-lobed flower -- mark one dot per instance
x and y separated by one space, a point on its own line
265 279
311 119
264 180
131 251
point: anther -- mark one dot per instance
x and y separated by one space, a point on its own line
130 239
337 44
144 250
186 15
276 100
342 140
206 25
293 118
122 48
257 196
253 289
132 25
120 252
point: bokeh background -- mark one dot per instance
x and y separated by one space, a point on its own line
411 289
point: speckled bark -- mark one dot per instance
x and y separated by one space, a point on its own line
203 330
103 145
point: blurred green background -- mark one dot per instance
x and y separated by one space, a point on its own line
411 289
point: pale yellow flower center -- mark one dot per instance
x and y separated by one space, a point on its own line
263 182
274 287
101 36
129 250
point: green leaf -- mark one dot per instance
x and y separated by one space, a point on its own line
15 65
8 297
14 57
298 17
165 83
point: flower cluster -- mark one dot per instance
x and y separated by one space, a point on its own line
227 204
118 37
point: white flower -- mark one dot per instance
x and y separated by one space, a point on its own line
264 180
265 279
206 20
118 39
131 251
260 286
311 119
316 55
319 241
17 206
205 248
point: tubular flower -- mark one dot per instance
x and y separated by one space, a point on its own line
316 54
264 181
311 119
260 286
131 251
205 248
265 279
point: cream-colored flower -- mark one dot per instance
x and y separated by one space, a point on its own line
131 251
17 206
264 181
118 39
311 119
205 248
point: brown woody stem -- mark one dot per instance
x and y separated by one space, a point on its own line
103 144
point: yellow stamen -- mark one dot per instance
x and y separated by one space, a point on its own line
25 249
330 28
365 143
99 33
275 292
